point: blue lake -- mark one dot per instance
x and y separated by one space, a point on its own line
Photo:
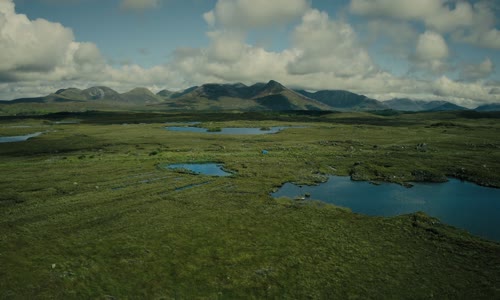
19 138
211 169
228 130
461 204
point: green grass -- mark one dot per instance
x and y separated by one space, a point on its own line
86 211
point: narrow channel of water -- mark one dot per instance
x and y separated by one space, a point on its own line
228 130
457 203
211 169
19 138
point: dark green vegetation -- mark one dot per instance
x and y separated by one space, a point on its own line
87 211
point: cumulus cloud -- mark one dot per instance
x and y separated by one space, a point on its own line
246 14
469 23
398 9
438 15
431 52
324 53
139 5
431 46
477 71
328 46
30 45
226 46
399 33
446 20
244 63
485 39
39 52
467 94
319 46
42 49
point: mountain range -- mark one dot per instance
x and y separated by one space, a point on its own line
260 96
405 104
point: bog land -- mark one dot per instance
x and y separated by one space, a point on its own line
89 211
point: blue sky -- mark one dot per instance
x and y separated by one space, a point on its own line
426 49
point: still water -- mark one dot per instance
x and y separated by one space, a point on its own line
228 130
211 169
19 138
461 204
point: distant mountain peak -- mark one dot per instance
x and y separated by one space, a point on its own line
271 88
405 104
165 93
140 90
344 100
273 82
488 107
274 85
100 92
239 85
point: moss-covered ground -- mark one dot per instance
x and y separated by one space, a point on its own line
86 211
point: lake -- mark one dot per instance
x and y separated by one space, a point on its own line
461 204
227 130
211 169
19 138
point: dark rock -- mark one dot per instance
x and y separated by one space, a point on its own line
421 147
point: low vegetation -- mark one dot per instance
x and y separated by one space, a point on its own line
89 211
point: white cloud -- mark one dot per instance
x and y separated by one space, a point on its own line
477 71
328 46
253 64
30 45
398 9
226 46
319 46
485 39
399 33
246 14
43 52
324 53
431 46
446 20
7 7
209 18
470 23
139 5
467 94
41 49
431 52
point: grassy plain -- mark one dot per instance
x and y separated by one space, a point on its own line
86 211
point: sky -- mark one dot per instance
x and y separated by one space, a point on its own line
425 49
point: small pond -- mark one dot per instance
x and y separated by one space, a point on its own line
211 169
19 138
461 204
64 122
228 130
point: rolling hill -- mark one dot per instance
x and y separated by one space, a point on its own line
344 100
488 107
405 104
